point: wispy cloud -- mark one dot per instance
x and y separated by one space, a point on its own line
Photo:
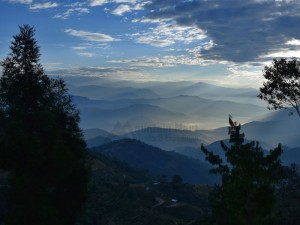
20 1
88 49
87 54
163 61
125 1
97 2
102 2
112 72
122 9
71 11
45 5
166 34
90 36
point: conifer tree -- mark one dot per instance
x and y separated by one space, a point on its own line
41 143
246 195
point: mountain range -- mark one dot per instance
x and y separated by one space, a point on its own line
176 116
191 112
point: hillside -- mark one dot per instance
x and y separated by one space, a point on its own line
158 162
125 196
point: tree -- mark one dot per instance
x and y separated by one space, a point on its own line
288 195
41 143
246 195
282 88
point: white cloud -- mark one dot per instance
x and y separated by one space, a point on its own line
76 4
154 42
188 57
293 42
79 47
20 1
84 46
45 5
71 11
283 53
103 2
90 36
148 20
112 72
125 1
154 62
87 54
97 2
166 34
86 49
163 61
121 9
208 45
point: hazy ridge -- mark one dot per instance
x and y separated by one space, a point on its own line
177 117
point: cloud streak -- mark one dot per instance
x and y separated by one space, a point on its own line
103 2
164 61
122 9
90 36
20 1
97 2
71 11
46 5
111 72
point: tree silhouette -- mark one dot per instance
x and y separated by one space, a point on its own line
246 195
41 142
282 88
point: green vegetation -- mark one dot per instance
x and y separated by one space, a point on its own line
287 196
41 144
125 196
247 193
282 88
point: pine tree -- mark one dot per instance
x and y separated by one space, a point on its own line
41 142
246 195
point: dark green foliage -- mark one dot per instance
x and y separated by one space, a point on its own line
122 195
282 88
41 143
246 195
288 197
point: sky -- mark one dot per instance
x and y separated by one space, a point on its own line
223 42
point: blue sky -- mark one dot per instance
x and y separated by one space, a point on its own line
217 41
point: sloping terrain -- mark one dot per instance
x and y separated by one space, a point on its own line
125 196
158 162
